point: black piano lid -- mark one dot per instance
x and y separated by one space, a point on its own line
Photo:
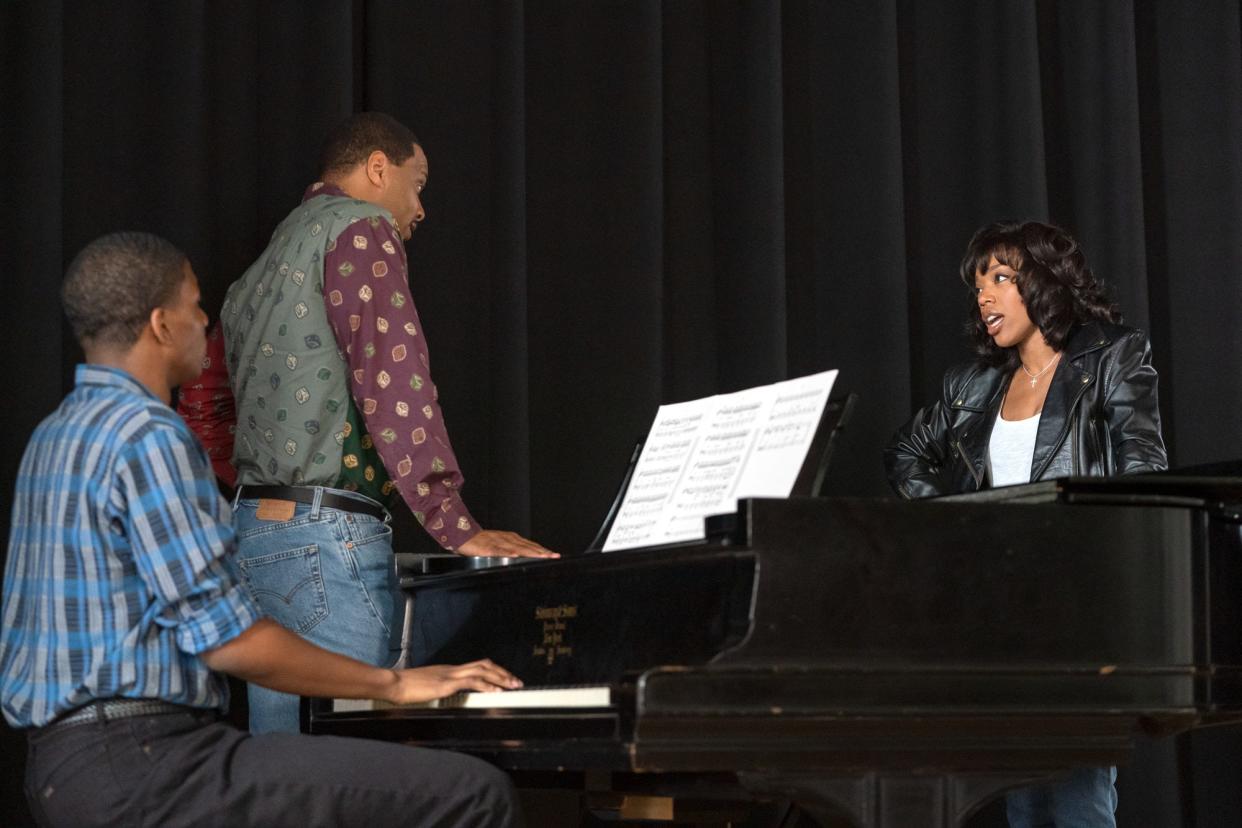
1192 488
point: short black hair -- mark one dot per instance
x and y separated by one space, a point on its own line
353 140
1054 281
115 282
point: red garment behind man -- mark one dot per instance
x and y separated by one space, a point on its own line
207 407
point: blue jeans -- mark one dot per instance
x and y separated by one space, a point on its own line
326 574
1084 799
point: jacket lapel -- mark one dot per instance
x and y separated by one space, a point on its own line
1069 383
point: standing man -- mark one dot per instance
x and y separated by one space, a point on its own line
337 416
121 608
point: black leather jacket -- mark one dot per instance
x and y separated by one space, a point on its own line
1100 418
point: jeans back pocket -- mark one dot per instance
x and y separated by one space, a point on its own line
288 586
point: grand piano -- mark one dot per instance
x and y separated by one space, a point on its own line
879 663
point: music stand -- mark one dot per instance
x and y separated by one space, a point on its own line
810 480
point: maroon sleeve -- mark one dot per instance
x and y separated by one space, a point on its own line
367 296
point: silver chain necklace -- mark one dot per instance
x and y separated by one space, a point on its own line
1042 371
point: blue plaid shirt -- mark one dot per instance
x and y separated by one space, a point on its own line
120 567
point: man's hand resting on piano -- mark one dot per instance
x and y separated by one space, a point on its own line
422 684
274 657
494 543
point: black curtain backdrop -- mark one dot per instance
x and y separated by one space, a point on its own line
641 202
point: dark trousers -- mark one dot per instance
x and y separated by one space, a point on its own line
186 769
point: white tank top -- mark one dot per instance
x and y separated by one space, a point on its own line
1010 450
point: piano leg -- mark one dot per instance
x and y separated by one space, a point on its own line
874 800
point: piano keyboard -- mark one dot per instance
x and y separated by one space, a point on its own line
546 697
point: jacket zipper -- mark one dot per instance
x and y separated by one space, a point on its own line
1095 444
1073 431
973 473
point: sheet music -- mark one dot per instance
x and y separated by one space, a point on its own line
701 456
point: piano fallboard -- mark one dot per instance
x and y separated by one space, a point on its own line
588 620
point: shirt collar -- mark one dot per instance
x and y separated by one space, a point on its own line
90 374
321 188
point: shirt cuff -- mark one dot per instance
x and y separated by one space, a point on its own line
450 524
219 622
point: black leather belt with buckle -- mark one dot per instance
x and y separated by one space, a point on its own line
305 494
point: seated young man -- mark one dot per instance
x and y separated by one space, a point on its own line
122 608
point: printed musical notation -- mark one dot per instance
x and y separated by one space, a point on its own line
701 456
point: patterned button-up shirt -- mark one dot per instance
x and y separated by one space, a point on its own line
119 572
392 442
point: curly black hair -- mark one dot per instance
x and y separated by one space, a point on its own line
115 282
354 139
1053 279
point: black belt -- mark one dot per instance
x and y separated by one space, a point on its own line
306 494
107 710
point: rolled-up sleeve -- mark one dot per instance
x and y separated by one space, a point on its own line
182 539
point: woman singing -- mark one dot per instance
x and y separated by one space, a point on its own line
1059 387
